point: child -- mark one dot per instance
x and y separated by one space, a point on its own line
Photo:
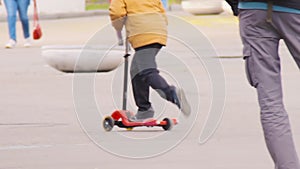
146 28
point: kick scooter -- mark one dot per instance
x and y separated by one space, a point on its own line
121 118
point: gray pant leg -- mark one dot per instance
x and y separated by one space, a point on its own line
261 41
288 25
144 74
143 60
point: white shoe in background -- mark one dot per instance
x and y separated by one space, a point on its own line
10 44
27 43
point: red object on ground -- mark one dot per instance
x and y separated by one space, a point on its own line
121 118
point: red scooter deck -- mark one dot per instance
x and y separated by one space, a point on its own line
121 118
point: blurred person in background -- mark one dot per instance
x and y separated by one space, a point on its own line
12 7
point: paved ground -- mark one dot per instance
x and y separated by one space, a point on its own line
40 129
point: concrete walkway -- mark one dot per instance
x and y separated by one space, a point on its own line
40 129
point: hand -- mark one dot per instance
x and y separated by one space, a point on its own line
120 38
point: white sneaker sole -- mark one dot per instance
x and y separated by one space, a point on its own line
185 106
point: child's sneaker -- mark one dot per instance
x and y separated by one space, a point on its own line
143 115
27 43
181 101
10 44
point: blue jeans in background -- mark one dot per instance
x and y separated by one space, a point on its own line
165 4
12 7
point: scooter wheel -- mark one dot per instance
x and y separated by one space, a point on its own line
169 124
108 123
129 128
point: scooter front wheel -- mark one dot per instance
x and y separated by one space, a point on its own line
108 123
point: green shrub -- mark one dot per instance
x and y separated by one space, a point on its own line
104 4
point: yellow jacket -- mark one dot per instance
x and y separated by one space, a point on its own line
145 21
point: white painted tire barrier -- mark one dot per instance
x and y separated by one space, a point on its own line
83 59
200 7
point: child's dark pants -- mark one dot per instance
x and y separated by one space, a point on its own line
144 74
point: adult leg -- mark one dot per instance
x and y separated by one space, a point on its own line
11 9
288 24
261 42
23 14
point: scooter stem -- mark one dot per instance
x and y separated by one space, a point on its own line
125 83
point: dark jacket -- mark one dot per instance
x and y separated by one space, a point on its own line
286 3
